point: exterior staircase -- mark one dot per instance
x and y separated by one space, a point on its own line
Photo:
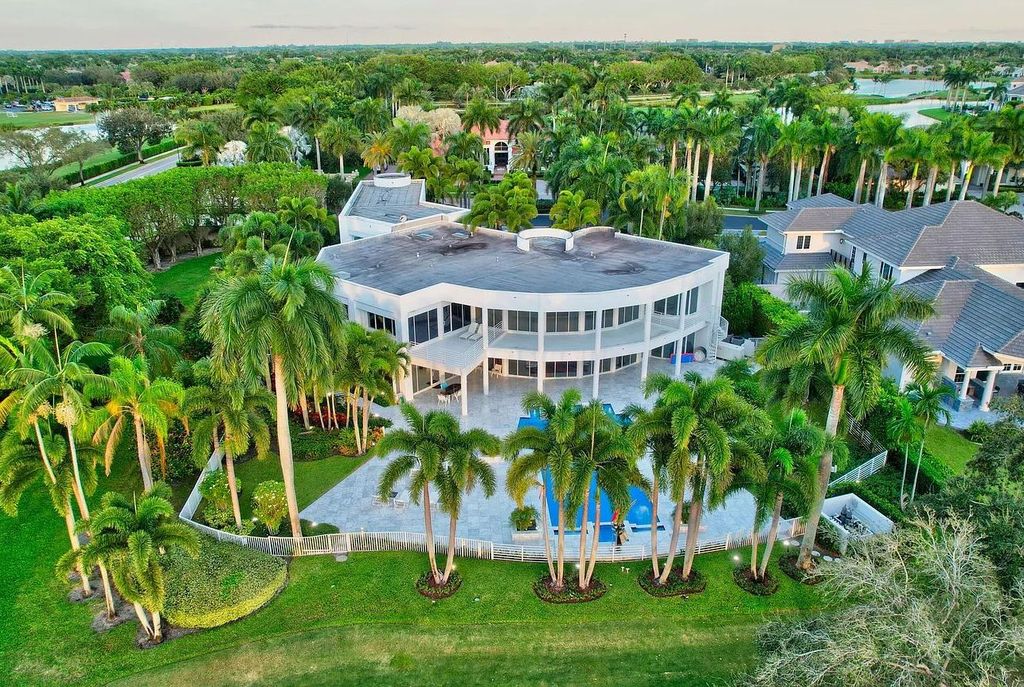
718 333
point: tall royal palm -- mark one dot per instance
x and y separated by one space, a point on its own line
721 134
309 114
542 456
136 332
928 401
763 142
915 149
481 114
266 143
131 396
27 303
903 429
340 136
852 329
285 313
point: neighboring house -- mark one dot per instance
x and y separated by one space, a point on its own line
977 332
389 202
74 104
1015 94
540 304
923 245
497 148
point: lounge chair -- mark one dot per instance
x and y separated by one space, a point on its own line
471 330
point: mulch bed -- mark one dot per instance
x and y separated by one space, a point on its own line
676 585
766 586
571 592
425 586
790 567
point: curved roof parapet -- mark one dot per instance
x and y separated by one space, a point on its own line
525 237
391 180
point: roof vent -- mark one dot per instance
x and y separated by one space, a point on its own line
425 235
460 235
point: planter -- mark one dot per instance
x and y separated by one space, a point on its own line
676 585
526 536
808 577
425 586
571 593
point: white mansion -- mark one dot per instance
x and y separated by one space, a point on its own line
540 304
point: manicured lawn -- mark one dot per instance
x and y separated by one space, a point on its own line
936 113
949 446
185 278
32 120
213 108
312 477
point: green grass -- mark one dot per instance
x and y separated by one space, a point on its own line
312 477
950 447
185 278
34 120
213 108
936 113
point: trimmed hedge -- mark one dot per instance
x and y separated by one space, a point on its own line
223 583
99 168
752 310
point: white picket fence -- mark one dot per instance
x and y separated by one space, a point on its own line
863 470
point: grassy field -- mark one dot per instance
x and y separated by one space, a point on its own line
213 108
936 113
950 447
185 278
35 120
312 477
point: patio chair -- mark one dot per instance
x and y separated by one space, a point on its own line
471 330
444 399
400 505
378 501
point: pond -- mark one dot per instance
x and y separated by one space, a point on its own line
90 130
901 88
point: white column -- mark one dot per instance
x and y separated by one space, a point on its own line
648 314
402 334
542 324
464 393
486 364
965 385
597 357
990 387
682 335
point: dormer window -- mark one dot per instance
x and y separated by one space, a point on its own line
803 242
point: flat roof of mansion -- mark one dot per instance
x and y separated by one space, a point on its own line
409 260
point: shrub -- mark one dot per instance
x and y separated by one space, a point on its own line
172 309
752 310
571 593
215 490
677 585
269 504
425 585
766 586
524 519
223 583
829 537
978 431
338 193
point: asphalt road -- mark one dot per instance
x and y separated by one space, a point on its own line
143 170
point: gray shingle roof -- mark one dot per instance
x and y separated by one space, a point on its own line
391 204
825 200
801 261
409 260
977 314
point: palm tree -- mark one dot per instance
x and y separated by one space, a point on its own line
131 396
305 220
405 136
652 429
764 136
939 157
201 139
378 151
132 535
340 136
641 186
788 472
524 115
371 115
528 154
829 137
419 163
851 330
259 110
903 429
883 134
721 135
228 415
26 302
979 148
1008 130
482 114
574 211
423 449
928 401
286 313
462 469
137 333
915 149
309 114
374 360
465 145
548 453
266 143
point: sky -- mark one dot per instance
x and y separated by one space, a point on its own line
119 24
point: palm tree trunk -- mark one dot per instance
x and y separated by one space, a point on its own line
656 573
366 418
353 418
689 157
824 475
672 162
696 172
933 175
304 407
597 538
911 185
792 178
999 179
967 181
143 619
810 182
860 180
917 468
76 487
824 169
143 451
284 448
316 144
673 543
76 545
882 183
229 462
951 184
760 186
799 178
559 582
903 481
753 549
707 175
693 527
453 519
158 633
583 538
108 593
42 452
428 530
773 533
546 529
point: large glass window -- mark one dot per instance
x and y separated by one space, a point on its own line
624 361
522 368
884 270
375 321
457 316
495 318
667 306
560 368
629 313
665 351
606 365
607 318
423 327
560 322
590 320
692 299
522 321
588 368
